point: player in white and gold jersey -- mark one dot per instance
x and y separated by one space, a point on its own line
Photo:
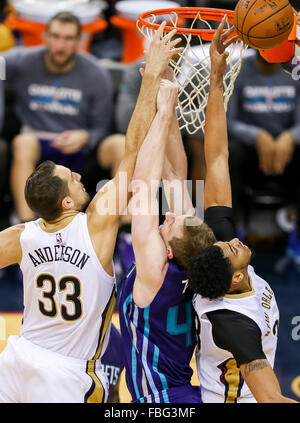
236 309
66 259
236 330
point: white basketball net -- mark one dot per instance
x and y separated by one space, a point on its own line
192 73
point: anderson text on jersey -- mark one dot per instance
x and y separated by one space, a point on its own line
58 253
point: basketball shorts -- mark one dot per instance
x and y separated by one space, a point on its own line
31 374
187 394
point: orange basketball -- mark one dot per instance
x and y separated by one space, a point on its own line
263 24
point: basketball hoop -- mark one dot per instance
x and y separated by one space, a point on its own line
192 69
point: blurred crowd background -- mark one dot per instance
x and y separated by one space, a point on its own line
79 118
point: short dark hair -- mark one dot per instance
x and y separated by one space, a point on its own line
210 273
66 18
44 192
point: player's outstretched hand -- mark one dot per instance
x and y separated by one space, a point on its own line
167 98
220 42
161 50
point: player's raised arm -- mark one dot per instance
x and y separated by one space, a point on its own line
175 172
10 247
217 183
105 209
149 249
161 50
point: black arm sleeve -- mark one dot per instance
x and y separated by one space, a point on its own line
220 220
238 334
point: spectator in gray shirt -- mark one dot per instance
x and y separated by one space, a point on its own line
264 130
64 100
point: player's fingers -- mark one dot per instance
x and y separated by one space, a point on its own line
174 43
160 30
170 34
220 28
217 38
231 41
227 33
176 51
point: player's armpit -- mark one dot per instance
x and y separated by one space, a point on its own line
10 247
262 382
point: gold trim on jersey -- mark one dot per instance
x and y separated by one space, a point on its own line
56 227
243 294
232 380
96 394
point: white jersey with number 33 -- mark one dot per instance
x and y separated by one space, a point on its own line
68 297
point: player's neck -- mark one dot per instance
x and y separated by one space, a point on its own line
59 223
246 284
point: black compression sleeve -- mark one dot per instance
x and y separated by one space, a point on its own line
238 334
220 220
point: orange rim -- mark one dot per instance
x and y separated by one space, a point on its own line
186 13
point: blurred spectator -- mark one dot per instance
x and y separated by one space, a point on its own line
64 100
107 44
113 364
8 37
264 130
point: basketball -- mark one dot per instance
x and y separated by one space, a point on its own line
263 24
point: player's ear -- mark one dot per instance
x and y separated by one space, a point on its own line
67 203
170 252
237 278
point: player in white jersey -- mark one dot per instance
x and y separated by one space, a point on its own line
66 259
236 309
